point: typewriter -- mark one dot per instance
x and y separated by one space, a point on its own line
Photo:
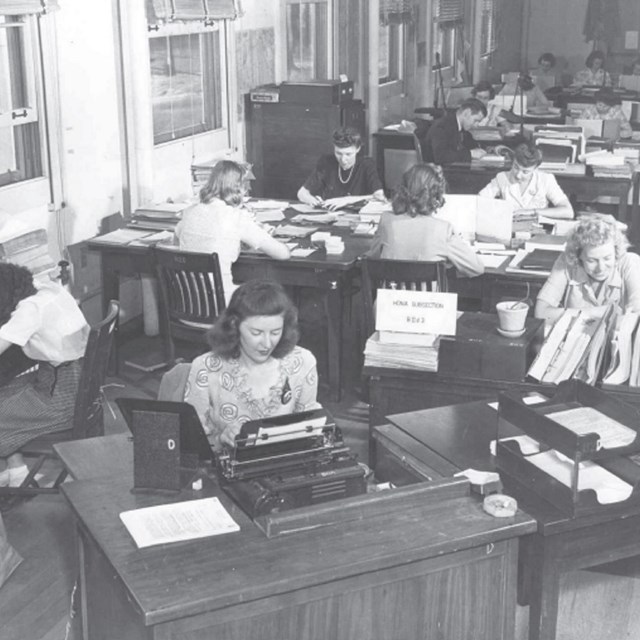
290 461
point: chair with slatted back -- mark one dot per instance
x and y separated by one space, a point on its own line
192 295
88 413
381 273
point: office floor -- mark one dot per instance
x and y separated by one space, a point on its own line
34 603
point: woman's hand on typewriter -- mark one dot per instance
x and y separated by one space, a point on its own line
228 435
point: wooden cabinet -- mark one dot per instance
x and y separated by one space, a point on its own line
285 140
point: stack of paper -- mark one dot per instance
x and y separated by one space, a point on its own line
402 351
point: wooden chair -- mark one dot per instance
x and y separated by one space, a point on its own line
88 414
380 273
192 295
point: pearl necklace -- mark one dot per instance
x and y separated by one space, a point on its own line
348 177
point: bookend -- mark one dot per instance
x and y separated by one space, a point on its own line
156 452
514 462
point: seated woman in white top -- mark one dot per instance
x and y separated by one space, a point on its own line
594 73
594 270
532 191
43 319
485 92
544 75
219 225
532 93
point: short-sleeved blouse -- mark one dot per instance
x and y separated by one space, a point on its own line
592 78
570 287
542 190
219 391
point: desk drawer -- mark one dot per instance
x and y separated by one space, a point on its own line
402 460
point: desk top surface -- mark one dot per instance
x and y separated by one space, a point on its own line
461 434
180 579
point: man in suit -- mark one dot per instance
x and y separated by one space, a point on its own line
449 139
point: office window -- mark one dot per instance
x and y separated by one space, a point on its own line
188 80
391 43
488 38
447 22
308 40
21 154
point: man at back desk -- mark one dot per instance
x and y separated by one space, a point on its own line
449 139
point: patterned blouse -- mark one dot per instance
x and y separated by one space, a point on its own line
219 391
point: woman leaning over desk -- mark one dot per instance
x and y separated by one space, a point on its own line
533 192
594 270
410 232
255 368
219 225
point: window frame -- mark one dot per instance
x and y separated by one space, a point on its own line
38 191
396 55
489 40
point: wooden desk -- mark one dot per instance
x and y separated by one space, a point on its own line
332 276
458 437
443 569
463 178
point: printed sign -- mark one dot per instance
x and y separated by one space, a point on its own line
416 311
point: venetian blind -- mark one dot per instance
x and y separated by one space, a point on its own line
20 7
450 11
167 10
396 11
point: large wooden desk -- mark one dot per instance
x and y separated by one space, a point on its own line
458 437
439 570
332 276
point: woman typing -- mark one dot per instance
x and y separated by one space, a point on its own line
255 368
594 270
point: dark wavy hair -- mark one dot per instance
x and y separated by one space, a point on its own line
16 283
594 55
484 85
347 137
421 191
474 106
547 57
254 298
228 181
606 96
528 155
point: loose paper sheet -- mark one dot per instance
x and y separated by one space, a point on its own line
178 522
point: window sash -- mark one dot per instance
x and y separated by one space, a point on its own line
23 7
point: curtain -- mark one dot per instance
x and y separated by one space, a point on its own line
20 7
167 10
602 22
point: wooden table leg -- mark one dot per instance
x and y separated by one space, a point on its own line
544 587
335 332
110 278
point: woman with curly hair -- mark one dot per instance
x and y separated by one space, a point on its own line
532 192
411 232
594 270
45 322
219 225
255 368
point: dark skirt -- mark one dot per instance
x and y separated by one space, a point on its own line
37 403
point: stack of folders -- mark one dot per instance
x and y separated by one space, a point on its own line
575 347
398 350
560 145
608 165
624 361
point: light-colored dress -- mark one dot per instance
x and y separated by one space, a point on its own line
218 390
50 328
600 78
614 112
543 189
570 286
219 228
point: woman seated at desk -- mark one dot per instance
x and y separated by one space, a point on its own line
544 75
594 270
532 191
606 108
411 232
594 73
485 92
218 225
343 173
44 320
255 368
532 93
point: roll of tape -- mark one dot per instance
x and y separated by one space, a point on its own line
500 506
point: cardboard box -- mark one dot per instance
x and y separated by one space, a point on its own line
478 351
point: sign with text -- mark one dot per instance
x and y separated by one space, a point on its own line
416 311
